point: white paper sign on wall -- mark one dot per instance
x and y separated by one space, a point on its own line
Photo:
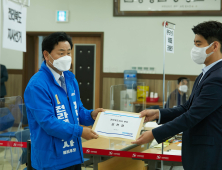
169 40
14 26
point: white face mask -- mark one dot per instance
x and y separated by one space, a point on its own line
183 88
199 55
62 63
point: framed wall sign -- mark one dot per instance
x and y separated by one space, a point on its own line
167 7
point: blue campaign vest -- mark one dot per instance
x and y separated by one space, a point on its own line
44 96
66 109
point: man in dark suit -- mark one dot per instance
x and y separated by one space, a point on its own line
200 118
178 96
4 78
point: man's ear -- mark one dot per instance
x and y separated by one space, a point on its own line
216 46
46 55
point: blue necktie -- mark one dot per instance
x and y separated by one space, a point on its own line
63 84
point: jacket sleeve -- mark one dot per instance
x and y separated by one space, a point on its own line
4 73
85 117
171 113
208 101
39 102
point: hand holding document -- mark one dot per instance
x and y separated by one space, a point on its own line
88 134
150 114
146 137
118 125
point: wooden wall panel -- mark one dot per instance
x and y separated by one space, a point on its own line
29 60
155 86
107 83
14 85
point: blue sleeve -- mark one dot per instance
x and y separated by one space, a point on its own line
208 101
85 117
39 102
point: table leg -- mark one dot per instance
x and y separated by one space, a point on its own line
152 165
96 161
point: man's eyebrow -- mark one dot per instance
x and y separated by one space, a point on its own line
198 41
64 50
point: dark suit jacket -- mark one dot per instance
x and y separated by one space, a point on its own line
4 78
173 100
200 120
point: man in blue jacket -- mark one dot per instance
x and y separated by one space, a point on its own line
200 117
55 111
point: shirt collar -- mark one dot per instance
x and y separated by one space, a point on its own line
207 68
55 74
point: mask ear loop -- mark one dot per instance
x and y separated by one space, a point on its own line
52 58
208 48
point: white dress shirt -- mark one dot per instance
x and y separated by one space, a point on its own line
55 74
204 71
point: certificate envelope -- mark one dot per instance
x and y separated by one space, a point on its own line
118 125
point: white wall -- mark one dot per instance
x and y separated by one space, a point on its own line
128 41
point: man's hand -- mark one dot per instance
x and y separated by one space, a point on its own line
150 114
95 112
146 137
88 134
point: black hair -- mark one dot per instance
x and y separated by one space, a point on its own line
180 79
210 30
53 39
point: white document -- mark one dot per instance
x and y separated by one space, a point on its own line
14 26
180 144
152 125
172 152
121 125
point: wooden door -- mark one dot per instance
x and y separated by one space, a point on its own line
97 78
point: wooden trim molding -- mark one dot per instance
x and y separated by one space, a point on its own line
15 71
150 76
72 34
101 70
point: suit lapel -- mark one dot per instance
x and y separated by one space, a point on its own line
198 80
197 84
215 67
